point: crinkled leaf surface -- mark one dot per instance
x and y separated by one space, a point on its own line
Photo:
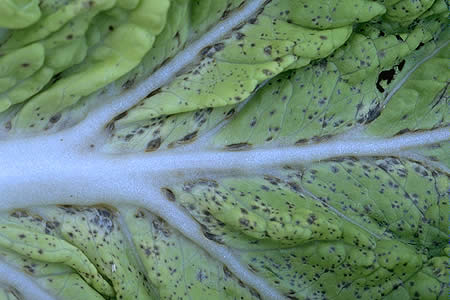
231 149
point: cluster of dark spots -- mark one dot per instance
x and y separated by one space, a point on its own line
25 65
51 226
161 227
272 179
201 276
19 213
268 50
311 219
208 182
69 36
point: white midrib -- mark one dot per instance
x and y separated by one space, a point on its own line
47 170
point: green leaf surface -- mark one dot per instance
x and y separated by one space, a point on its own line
156 263
349 228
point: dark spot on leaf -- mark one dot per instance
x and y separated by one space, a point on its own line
301 142
238 146
227 272
244 222
230 113
188 138
120 116
373 113
405 130
318 139
311 219
219 47
212 237
153 93
153 145
169 194
55 118
56 78
267 72
129 83
240 35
